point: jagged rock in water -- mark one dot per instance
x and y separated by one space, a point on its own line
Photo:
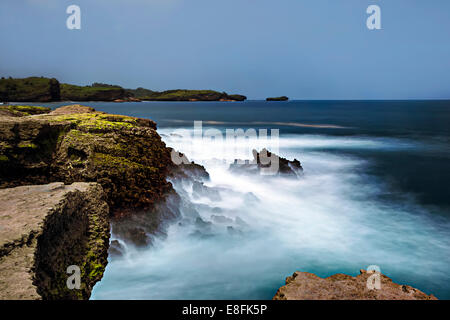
268 163
308 286
116 249
183 169
221 219
200 190
44 230
139 227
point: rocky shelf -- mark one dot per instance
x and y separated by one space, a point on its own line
47 228
308 286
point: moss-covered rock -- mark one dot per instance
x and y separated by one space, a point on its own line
124 154
20 111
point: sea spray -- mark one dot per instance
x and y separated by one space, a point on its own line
332 220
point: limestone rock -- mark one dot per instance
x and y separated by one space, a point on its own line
75 143
308 286
44 230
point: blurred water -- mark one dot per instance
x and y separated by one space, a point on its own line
375 191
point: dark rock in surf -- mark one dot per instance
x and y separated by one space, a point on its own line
116 249
268 163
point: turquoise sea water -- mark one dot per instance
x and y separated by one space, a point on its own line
375 192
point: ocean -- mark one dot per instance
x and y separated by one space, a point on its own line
375 191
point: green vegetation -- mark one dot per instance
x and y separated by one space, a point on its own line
282 98
29 89
140 92
44 90
188 95
91 93
20 111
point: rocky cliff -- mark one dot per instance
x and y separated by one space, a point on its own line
40 89
184 95
125 155
308 286
47 228
70 92
29 89
76 143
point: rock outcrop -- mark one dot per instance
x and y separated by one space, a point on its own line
125 155
265 162
282 98
308 286
75 143
45 229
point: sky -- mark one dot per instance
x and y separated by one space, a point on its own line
305 49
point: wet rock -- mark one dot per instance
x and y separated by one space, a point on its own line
240 222
116 249
232 231
183 169
202 224
221 219
200 190
140 227
46 229
308 286
267 163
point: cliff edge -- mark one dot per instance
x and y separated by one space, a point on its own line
44 230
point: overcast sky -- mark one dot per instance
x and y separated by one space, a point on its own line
305 49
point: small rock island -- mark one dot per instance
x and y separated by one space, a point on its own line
282 98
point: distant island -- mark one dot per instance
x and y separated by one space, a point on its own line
282 98
40 89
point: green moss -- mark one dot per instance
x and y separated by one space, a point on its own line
3 158
91 93
97 271
4 145
97 121
26 144
116 162
25 110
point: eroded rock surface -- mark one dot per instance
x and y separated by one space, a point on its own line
75 143
46 228
267 163
308 286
